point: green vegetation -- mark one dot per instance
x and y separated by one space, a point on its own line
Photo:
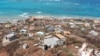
65 49
70 54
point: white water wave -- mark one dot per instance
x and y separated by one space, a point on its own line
47 3
76 3
72 3
38 12
24 15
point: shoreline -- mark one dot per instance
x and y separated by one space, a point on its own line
18 17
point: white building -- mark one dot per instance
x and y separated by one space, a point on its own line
11 36
8 38
30 34
23 31
40 33
58 29
94 33
51 42
73 25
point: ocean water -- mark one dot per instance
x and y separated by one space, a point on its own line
13 9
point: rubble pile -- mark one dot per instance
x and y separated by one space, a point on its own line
84 51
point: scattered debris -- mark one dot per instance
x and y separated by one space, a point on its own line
84 51
49 35
25 46
40 33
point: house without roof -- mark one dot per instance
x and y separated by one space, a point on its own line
11 36
8 38
51 42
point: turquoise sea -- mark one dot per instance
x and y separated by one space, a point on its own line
15 8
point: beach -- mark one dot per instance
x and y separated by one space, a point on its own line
23 17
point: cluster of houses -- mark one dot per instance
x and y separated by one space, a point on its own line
32 28
49 32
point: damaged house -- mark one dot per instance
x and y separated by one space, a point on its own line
58 29
51 42
11 36
8 38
